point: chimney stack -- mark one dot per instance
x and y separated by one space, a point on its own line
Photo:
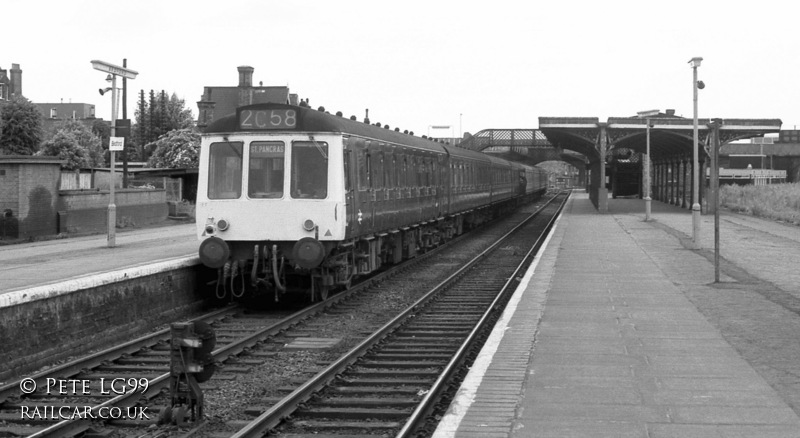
16 80
246 76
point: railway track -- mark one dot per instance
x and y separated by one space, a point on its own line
141 367
390 383
115 383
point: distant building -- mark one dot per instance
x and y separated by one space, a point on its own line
766 155
218 102
53 113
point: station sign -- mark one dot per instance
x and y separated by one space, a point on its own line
114 69
116 144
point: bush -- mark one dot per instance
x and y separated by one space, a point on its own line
775 201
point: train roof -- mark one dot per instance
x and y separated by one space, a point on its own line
466 153
311 120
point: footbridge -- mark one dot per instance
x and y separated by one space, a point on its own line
613 150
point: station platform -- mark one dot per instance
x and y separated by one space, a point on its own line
619 330
29 271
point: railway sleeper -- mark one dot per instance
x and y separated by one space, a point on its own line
36 420
353 413
406 356
395 373
132 369
133 360
404 334
135 423
368 402
347 425
384 380
450 327
415 364
14 430
374 390
421 344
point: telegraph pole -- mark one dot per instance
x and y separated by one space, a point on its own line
125 117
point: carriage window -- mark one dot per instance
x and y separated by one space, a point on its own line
265 179
309 169
347 182
392 173
405 172
379 175
366 171
225 170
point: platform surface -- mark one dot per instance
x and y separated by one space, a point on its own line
29 265
618 330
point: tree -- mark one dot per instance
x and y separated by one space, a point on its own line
157 117
21 130
76 144
176 149
102 130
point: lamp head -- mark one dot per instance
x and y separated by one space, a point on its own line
695 62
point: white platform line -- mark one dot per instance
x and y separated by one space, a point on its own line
466 394
21 296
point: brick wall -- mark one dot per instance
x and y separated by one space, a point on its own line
29 187
9 200
37 333
87 211
39 196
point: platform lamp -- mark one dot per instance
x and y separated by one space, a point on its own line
114 145
695 62
647 199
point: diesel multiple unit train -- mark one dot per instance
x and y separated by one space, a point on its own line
295 199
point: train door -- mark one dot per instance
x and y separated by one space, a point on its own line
379 185
366 192
444 181
351 194
523 183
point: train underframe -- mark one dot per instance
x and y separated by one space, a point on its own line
275 268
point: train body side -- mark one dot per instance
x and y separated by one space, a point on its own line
324 199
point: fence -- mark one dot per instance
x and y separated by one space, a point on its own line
76 181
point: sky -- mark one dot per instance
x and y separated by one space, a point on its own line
416 64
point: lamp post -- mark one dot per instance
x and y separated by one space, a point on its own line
695 62
647 199
113 71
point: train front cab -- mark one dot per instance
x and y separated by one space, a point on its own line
256 219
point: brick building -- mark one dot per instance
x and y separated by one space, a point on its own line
54 113
28 195
217 102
